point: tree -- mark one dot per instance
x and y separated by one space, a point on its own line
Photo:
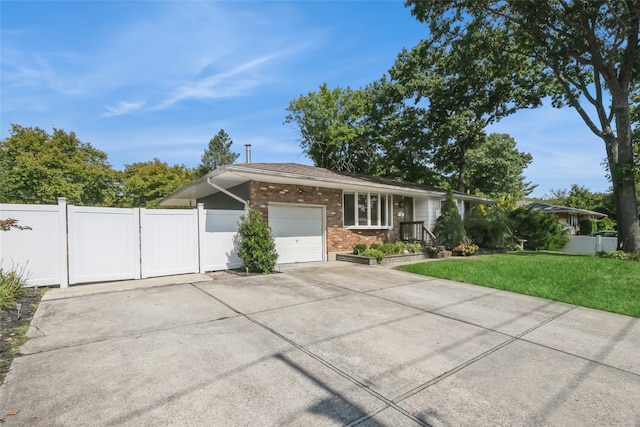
449 224
332 128
37 167
590 53
578 196
217 154
495 168
464 96
540 230
144 184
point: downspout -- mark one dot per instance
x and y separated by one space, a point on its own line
228 193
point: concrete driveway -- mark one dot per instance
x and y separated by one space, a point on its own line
331 344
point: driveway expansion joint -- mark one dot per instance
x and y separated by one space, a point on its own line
361 385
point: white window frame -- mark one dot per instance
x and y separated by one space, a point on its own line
368 225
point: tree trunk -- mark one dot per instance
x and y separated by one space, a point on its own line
621 165
628 223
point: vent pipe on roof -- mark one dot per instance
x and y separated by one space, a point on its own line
248 153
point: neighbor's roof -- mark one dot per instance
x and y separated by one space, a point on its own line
547 208
297 174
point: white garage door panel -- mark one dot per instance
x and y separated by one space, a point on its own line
298 249
298 233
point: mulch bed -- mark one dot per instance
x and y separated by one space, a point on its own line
9 321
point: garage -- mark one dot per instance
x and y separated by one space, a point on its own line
298 233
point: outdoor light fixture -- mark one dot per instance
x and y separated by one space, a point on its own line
300 191
401 204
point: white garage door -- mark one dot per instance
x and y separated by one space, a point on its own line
298 233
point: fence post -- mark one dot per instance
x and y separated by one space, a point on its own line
63 247
202 223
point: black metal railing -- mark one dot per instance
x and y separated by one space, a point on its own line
415 231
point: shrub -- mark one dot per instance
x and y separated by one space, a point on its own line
449 224
620 255
376 246
359 248
12 283
412 248
376 253
9 223
605 223
489 226
541 231
257 247
588 226
392 248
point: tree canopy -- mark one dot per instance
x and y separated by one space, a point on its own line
144 184
495 168
218 153
38 167
589 54
375 131
333 128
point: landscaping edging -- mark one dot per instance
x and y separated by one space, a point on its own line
390 259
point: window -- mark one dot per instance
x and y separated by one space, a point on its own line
349 210
362 209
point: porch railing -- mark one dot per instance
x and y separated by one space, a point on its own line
415 231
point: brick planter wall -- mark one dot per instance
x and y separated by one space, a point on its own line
391 259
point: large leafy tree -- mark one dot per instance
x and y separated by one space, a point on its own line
465 88
144 184
495 168
589 50
218 153
333 129
38 167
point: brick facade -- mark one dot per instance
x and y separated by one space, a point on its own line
339 239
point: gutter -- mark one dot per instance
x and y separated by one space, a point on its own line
228 193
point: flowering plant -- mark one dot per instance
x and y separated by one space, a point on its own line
467 247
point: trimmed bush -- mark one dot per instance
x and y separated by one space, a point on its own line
257 248
588 226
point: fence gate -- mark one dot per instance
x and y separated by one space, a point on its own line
169 241
104 244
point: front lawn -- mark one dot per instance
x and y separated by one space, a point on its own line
589 281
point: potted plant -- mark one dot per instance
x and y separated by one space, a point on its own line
466 248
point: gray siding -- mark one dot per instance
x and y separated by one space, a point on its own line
220 200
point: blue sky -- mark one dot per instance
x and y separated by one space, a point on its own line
145 79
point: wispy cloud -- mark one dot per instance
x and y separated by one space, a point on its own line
235 82
122 108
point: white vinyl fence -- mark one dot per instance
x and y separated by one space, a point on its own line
590 244
80 244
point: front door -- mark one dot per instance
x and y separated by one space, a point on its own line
408 209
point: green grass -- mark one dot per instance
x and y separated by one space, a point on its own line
589 281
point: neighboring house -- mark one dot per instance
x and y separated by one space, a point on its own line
315 213
566 215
